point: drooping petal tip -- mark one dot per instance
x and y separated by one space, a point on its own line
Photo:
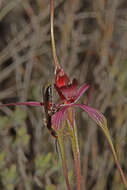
94 114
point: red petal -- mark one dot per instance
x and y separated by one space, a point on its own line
23 103
59 117
62 97
93 113
81 91
61 78
70 91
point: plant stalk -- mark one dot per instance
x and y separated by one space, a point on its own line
56 62
75 146
62 151
107 134
117 163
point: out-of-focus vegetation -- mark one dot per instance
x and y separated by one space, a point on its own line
91 41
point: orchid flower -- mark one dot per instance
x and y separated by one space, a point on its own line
69 95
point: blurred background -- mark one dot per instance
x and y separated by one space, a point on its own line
91 41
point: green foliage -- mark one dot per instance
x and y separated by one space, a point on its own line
19 116
10 177
3 122
2 159
35 92
43 163
22 136
50 187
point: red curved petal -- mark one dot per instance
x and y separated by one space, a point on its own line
59 117
81 91
94 114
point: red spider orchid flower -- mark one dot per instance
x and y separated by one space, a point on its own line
69 95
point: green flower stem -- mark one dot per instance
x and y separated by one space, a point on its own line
107 134
75 146
63 157
56 62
